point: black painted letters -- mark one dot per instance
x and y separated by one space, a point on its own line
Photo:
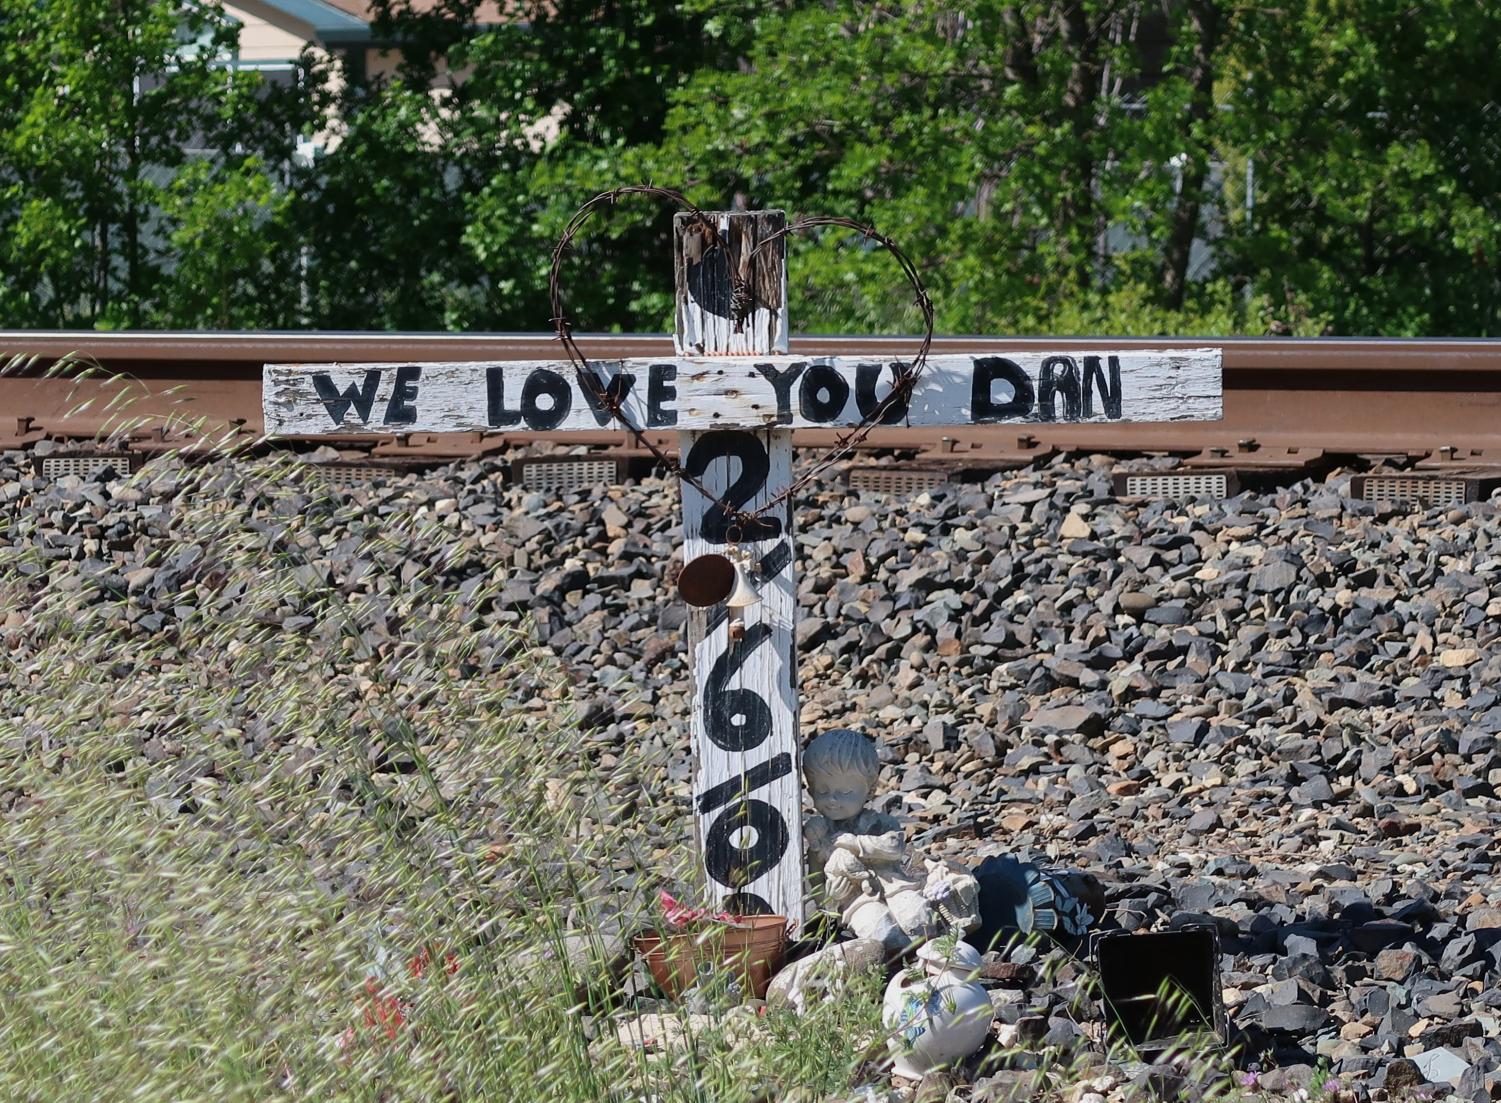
738 864
399 409
614 392
1110 393
362 398
736 718
736 395
745 838
496 414
781 381
866 378
1058 375
755 466
990 370
543 382
824 393
761 774
660 395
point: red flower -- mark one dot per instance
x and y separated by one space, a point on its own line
383 1012
679 915
419 963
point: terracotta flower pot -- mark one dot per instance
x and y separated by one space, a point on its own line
754 952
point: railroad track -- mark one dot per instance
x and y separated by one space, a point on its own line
1431 408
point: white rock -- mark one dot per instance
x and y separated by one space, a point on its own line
661 1032
1455 657
824 972
1075 527
1441 1065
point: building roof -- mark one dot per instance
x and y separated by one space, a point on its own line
278 30
488 12
325 18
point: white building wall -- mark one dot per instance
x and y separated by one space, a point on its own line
261 40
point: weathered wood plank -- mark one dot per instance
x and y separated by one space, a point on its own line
735 395
704 322
747 781
753 392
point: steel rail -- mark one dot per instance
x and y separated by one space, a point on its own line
1286 399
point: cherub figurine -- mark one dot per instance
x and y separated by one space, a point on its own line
862 854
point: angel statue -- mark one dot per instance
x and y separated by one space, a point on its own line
858 856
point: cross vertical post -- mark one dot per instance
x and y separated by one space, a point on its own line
747 787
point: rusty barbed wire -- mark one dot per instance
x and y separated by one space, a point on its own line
906 375
588 379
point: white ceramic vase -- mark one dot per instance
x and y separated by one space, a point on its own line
939 1018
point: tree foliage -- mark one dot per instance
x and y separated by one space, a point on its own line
1379 185
121 169
1117 165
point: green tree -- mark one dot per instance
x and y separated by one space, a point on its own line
382 209
229 253
1374 128
1049 164
451 177
594 83
994 140
102 103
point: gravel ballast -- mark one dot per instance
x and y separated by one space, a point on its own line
1277 713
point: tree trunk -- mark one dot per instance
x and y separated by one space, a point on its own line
132 213
1076 222
101 270
1020 65
1204 19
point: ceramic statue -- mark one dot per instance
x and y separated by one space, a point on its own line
936 1012
858 857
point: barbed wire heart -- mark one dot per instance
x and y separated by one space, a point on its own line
742 304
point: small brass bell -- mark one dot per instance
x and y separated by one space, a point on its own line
745 593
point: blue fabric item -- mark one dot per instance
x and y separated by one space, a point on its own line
1023 898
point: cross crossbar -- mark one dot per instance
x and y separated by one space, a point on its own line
743 392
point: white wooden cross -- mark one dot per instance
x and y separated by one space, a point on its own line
734 395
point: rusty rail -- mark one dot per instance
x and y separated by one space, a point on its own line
1288 402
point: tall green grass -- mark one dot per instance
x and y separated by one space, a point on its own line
318 821
315 826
